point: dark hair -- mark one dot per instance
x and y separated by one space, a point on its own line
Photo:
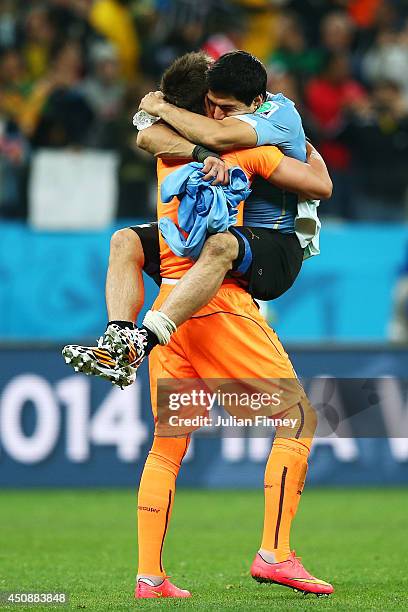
238 74
184 82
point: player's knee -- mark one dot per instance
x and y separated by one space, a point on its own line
222 247
312 420
126 244
308 418
303 423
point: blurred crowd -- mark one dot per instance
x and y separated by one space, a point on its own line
72 73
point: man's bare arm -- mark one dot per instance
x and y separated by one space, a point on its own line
310 179
224 135
161 141
218 136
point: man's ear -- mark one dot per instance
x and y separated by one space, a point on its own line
258 101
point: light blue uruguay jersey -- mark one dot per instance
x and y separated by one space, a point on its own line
276 122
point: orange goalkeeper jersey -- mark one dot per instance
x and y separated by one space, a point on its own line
261 161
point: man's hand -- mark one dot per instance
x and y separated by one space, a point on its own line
216 171
152 103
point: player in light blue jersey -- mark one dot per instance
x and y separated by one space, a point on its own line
279 232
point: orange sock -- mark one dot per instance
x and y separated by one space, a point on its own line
155 501
285 476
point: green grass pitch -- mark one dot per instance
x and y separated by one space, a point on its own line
84 543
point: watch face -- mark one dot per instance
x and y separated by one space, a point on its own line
142 120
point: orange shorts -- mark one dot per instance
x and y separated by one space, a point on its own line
227 339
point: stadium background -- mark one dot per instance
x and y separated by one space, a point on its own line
71 75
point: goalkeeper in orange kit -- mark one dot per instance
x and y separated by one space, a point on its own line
229 339
226 339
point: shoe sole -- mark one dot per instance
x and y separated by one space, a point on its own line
263 580
82 362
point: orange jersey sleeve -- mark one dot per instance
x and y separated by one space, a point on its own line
261 161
